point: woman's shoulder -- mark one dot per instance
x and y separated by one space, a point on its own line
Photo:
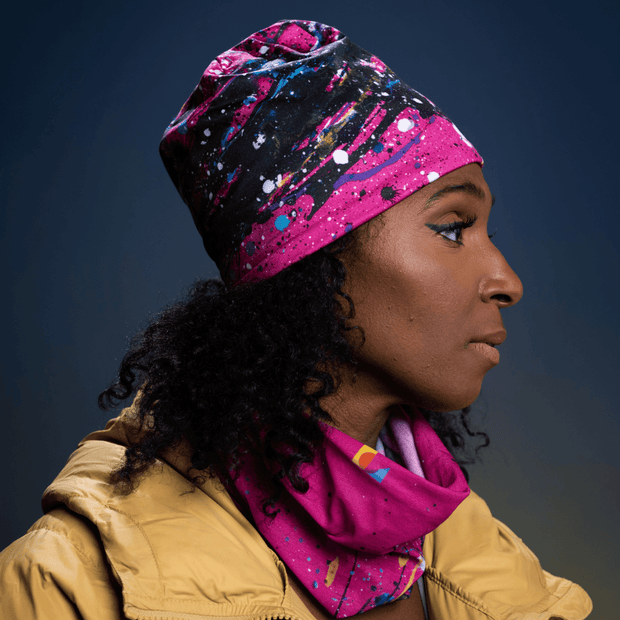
58 570
167 536
475 561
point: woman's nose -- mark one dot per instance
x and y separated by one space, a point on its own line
501 285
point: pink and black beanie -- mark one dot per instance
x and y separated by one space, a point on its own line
293 138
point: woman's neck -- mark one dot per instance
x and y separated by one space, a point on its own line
359 409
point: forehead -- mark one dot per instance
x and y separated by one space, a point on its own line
464 187
467 181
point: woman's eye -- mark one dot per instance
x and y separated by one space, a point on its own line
453 231
453 234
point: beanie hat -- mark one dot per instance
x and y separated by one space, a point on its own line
293 138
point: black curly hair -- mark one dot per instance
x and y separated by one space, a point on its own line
237 370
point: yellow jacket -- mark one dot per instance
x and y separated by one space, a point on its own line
172 552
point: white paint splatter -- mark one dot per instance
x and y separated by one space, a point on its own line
220 165
405 124
341 157
268 186
432 176
260 139
263 50
207 132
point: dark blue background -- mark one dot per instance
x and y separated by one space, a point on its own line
94 237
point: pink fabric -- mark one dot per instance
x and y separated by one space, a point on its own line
416 151
355 538
405 445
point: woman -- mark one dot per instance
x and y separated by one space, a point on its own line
277 460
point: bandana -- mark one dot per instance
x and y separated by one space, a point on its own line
293 138
354 539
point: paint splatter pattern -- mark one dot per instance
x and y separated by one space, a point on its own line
355 538
293 138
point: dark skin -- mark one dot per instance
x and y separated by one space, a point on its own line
428 286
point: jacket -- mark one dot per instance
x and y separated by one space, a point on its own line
172 551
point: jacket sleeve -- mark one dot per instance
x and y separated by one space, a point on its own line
478 569
58 570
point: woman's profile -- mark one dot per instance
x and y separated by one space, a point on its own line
289 447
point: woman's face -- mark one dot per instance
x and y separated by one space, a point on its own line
428 286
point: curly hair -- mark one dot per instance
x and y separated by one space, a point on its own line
243 369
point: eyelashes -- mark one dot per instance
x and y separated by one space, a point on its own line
453 231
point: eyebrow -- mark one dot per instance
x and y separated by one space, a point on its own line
468 188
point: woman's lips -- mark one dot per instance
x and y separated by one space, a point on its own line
491 353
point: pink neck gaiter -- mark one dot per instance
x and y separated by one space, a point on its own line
354 539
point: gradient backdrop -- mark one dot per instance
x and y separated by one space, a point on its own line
95 239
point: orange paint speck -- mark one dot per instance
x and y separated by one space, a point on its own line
366 459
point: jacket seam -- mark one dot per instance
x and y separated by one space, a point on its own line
428 574
186 601
66 539
159 614
526 551
146 538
